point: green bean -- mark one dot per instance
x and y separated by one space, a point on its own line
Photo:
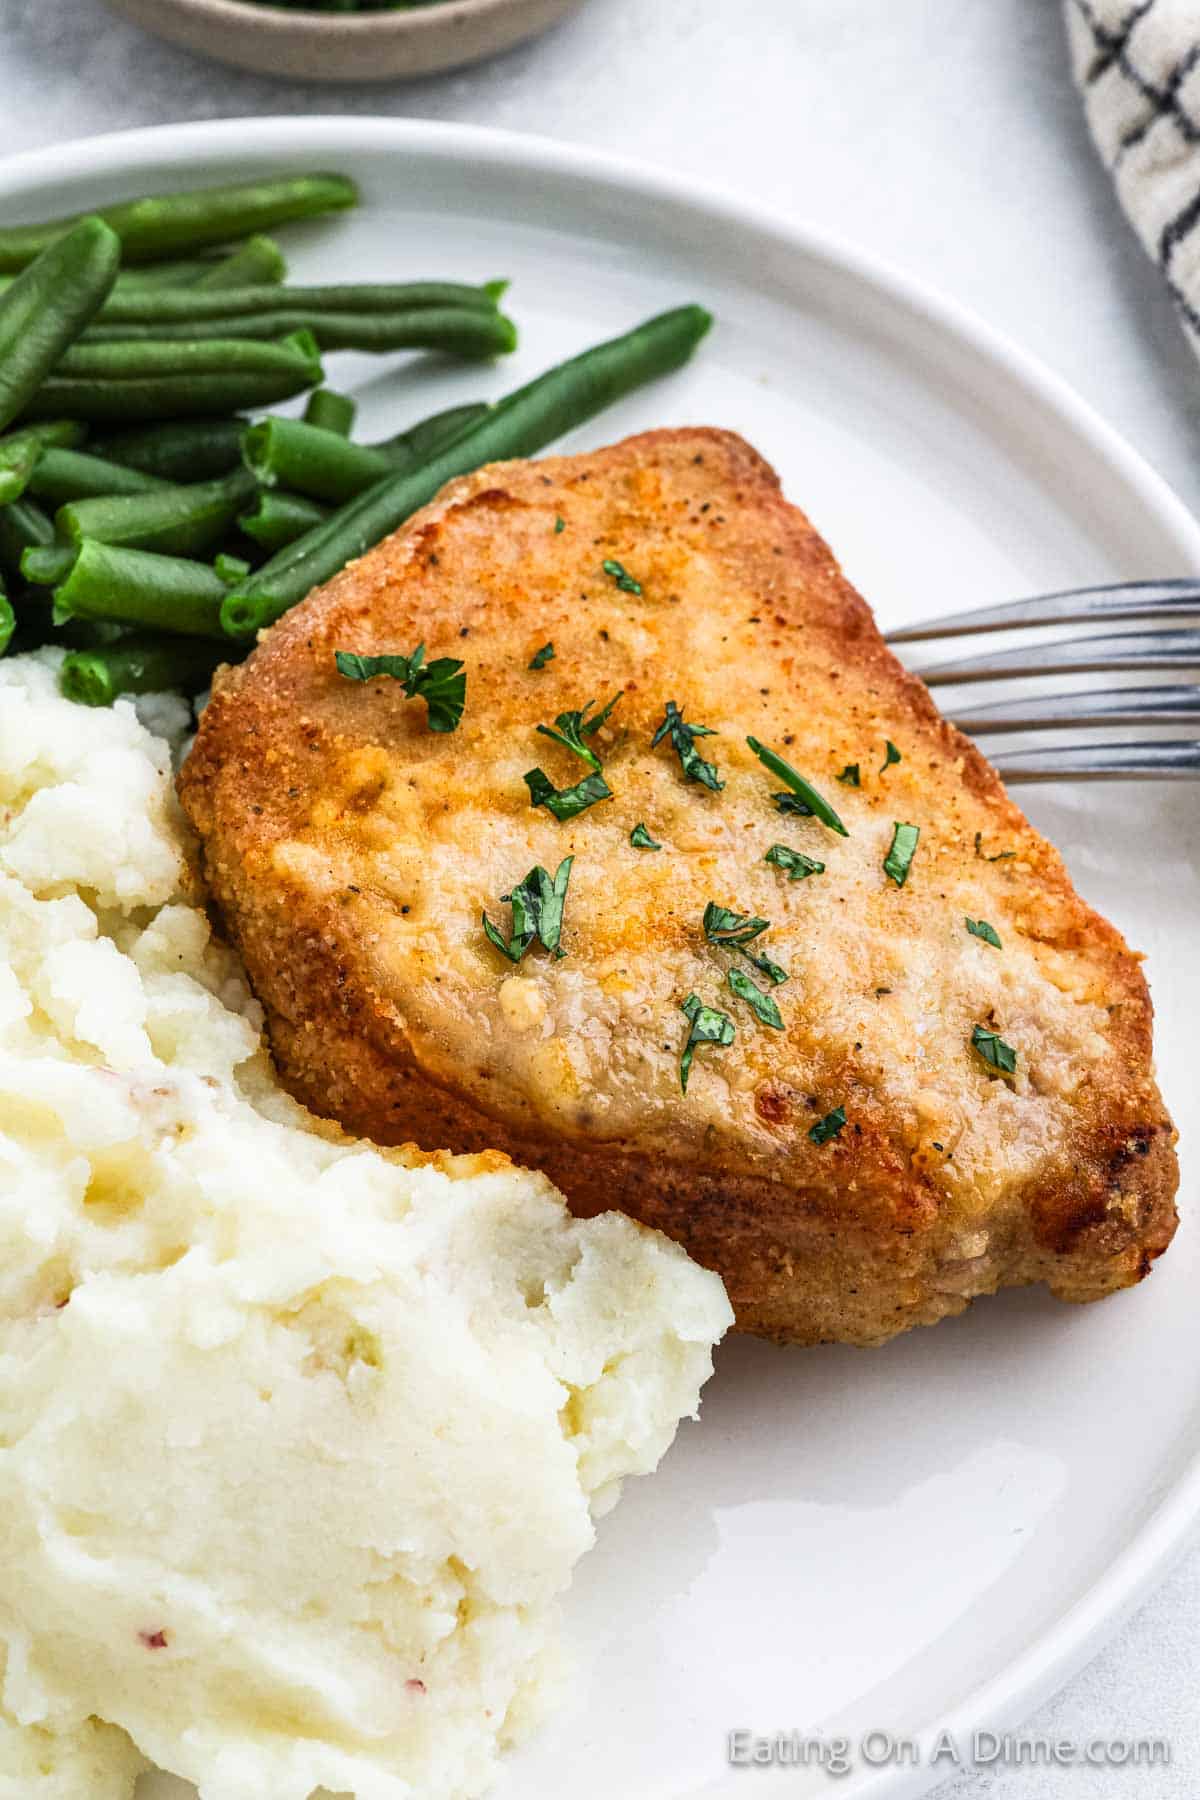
156 308
22 526
320 464
280 518
433 434
63 475
116 383
521 425
253 264
134 361
182 450
137 587
20 450
456 331
175 521
168 225
180 273
47 307
293 453
45 565
330 411
257 262
138 665
8 622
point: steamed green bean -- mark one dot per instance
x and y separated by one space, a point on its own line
455 331
172 225
278 518
331 411
433 434
191 520
20 450
63 475
138 665
292 454
47 307
180 450
117 383
45 565
138 587
163 306
23 526
257 262
295 454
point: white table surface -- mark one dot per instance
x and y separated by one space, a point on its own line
942 134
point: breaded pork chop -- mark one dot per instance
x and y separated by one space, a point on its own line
352 853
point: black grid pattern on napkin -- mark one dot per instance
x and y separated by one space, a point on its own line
1121 34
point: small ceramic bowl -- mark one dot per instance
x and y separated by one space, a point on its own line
317 46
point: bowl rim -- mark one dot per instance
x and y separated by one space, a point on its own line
288 21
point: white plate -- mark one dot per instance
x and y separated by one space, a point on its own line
939 1532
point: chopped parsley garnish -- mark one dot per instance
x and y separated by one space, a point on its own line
573 727
820 808
733 930
774 974
736 931
891 755
792 805
683 741
849 775
441 684
537 913
794 863
640 838
898 860
560 524
617 572
542 657
566 803
995 1052
1000 856
981 929
762 1004
706 1025
830 1126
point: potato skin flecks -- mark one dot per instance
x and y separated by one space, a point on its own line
351 853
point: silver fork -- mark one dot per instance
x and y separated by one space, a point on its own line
1150 650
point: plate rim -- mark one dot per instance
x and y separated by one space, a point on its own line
1164 1535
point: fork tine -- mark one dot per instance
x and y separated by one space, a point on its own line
1068 656
1177 598
1176 759
1165 705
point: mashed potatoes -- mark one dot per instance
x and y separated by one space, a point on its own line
299 1440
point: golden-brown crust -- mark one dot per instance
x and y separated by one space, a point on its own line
350 852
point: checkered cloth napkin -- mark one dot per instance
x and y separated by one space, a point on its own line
1137 63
